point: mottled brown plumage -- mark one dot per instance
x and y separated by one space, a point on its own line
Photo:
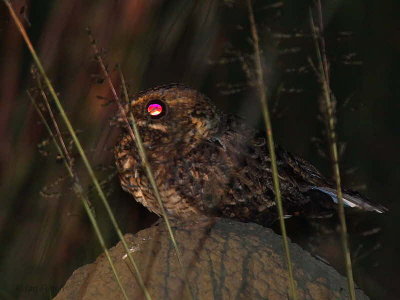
209 163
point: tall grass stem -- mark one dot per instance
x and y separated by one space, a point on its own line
262 90
77 187
323 75
77 142
135 136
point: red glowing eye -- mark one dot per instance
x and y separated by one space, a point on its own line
155 109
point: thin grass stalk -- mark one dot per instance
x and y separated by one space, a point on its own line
77 143
77 187
136 137
323 75
55 125
153 183
262 89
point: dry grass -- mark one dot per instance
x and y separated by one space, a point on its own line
328 105
262 88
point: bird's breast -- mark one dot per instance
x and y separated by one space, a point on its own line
133 178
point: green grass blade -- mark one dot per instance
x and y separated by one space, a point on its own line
262 89
323 74
80 193
77 143
136 137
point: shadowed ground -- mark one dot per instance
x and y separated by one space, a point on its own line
229 260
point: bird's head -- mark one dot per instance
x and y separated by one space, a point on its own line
173 115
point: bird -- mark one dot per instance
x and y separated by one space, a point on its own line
207 163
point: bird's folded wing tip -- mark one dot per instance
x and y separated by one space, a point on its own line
352 201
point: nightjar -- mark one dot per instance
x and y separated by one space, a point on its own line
208 163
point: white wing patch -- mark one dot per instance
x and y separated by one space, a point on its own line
350 201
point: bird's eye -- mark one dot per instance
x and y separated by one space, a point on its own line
156 109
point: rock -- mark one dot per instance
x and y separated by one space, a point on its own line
228 260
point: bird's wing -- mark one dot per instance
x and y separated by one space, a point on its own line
311 179
352 199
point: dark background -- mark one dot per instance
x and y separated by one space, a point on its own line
44 232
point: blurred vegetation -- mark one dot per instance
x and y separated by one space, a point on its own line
44 232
